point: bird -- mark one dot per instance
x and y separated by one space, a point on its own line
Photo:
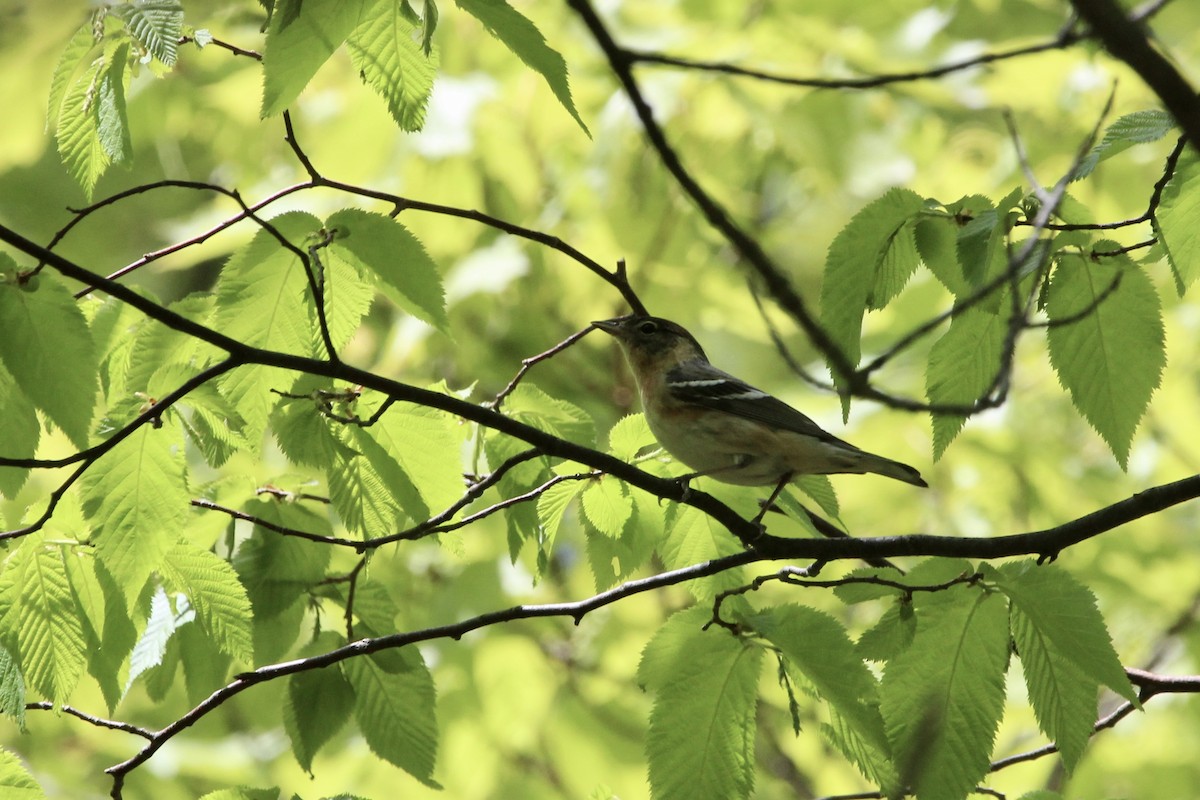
720 426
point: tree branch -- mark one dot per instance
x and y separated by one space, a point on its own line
1126 39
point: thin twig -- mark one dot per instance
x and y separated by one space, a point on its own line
99 722
528 363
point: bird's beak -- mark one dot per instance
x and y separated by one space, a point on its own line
611 326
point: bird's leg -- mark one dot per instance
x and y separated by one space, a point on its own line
739 462
784 481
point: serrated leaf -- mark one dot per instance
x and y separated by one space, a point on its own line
936 238
15 782
525 41
873 762
12 690
318 705
552 504
20 432
661 653
853 263
942 698
277 569
701 739
79 144
305 435
301 36
205 666
395 711
40 620
1111 358
820 489
532 406
608 505
151 647
629 435
364 485
1177 220
963 365
72 61
817 645
137 501
1139 127
1062 696
263 300
382 246
218 597
48 350
1064 612
891 635
348 293
691 538
156 24
395 58
426 443
898 264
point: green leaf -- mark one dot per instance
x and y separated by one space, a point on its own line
12 689
369 489
1106 343
630 435
426 443
1139 127
532 406
873 762
107 627
319 703
40 620
382 246
936 237
48 350
15 782
820 489
1062 696
164 619
348 293
136 499
656 668
263 300
156 24
277 569
608 505
388 56
395 711
20 432
79 144
817 645
213 590
691 538
891 635
301 36
1063 612
1177 220
73 62
701 739
552 505
898 264
963 365
853 265
942 698
526 42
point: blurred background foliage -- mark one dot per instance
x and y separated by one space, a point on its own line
544 709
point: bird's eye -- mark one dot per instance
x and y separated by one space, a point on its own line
647 327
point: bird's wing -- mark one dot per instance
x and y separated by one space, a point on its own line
697 381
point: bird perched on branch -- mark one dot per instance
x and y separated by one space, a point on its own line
721 426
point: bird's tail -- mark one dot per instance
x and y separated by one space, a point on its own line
892 469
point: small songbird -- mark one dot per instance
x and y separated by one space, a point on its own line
721 426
